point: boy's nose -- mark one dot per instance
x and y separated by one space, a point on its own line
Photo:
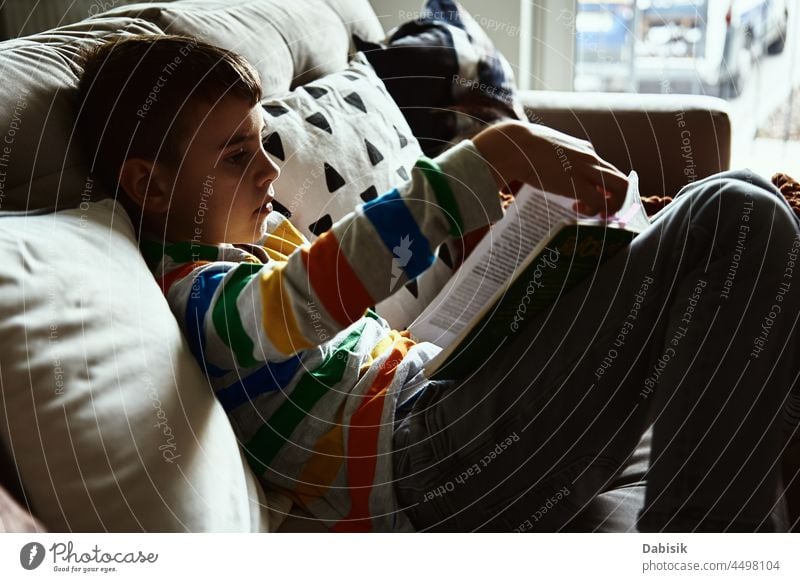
268 170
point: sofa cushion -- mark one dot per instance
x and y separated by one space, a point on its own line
40 161
341 141
289 43
105 412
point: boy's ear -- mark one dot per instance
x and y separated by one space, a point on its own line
143 182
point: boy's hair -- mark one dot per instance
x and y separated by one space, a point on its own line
135 92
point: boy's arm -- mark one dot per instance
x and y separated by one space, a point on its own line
528 153
245 313
242 314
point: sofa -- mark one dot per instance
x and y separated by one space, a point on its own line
106 420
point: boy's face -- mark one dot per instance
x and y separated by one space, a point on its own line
222 186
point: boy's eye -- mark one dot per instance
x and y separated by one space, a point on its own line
237 157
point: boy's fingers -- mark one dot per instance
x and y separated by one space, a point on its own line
590 199
613 187
582 208
603 194
506 200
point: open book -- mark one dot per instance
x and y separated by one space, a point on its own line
537 252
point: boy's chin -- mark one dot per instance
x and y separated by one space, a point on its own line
262 224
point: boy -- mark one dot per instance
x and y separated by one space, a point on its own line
330 404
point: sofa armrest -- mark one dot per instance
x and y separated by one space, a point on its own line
670 140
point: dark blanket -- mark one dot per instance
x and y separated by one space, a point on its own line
445 74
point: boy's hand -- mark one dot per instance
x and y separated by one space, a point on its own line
554 162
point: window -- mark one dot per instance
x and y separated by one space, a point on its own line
745 51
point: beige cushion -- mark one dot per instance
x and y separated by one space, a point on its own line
289 43
105 411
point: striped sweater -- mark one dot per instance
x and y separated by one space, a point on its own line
308 373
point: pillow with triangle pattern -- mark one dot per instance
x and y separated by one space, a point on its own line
340 141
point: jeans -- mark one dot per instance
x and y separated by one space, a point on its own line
691 329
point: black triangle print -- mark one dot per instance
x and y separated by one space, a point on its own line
370 193
401 171
320 121
445 256
375 156
413 288
333 179
274 146
315 92
401 137
351 77
275 110
354 100
324 224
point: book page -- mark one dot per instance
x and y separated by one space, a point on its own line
494 262
491 264
632 215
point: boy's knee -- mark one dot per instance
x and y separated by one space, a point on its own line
732 182
743 201
768 218
747 191
747 176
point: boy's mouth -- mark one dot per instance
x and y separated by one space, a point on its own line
266 207
263 209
